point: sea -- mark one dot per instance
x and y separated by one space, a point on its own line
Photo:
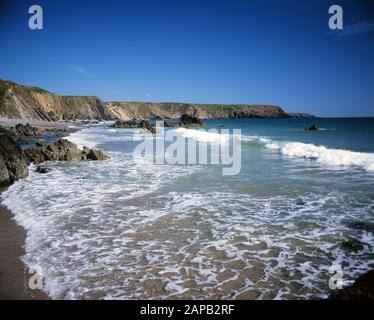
297 221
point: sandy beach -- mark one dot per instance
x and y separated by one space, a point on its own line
13 272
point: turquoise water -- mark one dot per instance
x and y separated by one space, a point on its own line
128 228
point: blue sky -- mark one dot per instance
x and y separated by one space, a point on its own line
207 51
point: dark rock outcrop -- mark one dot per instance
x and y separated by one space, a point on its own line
313 127
27 130
62 150
94 154
120 124
362 289
13 162
188 120
168 124
41 169
133 124
22 132
145 125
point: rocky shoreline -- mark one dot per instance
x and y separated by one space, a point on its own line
14 160
14 165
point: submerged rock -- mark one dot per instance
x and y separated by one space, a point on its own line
62 150
13 162
41 169
188 120
353 245
361 225
361 289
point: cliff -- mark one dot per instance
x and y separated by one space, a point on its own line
149 110
25 102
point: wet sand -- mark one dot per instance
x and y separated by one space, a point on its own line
13 273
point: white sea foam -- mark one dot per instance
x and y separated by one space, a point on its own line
126 228
327 156
202 135
321 154
92 137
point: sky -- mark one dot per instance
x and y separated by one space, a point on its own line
278 52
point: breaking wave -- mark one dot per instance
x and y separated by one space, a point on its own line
321 154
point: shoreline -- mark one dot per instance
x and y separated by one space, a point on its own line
13 272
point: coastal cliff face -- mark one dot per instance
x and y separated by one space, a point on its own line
130 110
24 102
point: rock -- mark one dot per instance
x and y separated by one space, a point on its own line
35 155
41 169
353 245
40 143
168 124
361 225
133 124
13 162
187 121
27 130
145 125
96 154
21 132
62 150
313 127
120 124
362 288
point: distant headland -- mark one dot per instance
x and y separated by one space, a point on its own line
28 102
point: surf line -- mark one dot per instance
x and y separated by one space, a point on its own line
151 310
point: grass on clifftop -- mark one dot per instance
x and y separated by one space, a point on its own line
215 110
3 89
35 89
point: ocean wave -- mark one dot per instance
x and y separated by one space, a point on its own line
90 137
321 154
202 135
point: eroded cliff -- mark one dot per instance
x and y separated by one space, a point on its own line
25 102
